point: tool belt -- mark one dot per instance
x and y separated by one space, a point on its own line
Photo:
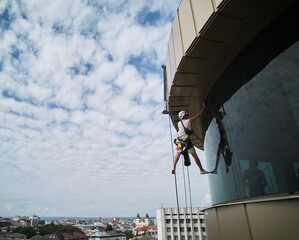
186 144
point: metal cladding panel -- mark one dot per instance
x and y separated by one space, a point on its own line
274 220
202 10
181 91
233 223
182 102
168 71
223 34
212 224
171 57
177 41
187 79
187 24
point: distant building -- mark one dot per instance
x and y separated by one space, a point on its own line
111 235
16 218
12 236
143 226
143 222
18 224
34 220
181 224
62 236
5 224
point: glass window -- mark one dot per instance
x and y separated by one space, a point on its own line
176 237
168 237
257 130
181 220
195 229
188 229
167 221
174 221
168 229
182 229
175 229
195 221
187 220
182 237
189 237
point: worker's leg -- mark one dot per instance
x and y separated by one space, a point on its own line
176 159
217 163
194 155
202 171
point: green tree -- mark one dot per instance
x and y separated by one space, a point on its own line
28 231
52 228
108 228
128 234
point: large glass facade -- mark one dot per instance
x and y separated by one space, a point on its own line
252 143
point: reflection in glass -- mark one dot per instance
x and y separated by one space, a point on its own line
223 146
262 128
255 180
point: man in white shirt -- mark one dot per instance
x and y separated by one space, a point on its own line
183 139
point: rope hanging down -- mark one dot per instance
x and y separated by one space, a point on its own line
176 188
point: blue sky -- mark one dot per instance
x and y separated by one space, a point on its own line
81 97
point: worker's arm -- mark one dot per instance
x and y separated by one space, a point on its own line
197 115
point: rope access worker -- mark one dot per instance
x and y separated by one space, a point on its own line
183 139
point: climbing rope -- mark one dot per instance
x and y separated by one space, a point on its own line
186 201
175 180
184 180
189 189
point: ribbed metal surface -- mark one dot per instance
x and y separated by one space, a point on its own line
206 35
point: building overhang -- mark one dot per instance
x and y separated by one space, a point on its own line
205 37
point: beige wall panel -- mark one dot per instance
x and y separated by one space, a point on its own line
233 223
187 79
177 41
181 91
274 220
171 57
168 71
202 10
212 227
181 102
187 24
217 2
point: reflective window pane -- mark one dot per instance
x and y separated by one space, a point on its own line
252 143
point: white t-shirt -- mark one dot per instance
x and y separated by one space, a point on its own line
181 133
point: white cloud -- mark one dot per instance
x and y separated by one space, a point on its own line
77 120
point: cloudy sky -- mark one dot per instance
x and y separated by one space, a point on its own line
81 128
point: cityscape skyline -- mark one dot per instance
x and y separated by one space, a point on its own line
82 131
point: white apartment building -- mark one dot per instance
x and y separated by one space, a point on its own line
181 224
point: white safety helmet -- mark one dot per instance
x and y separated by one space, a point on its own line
182 114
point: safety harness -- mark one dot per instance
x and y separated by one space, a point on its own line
184 145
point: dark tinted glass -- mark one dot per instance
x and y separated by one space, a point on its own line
255 137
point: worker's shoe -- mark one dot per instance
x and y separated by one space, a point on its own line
214 171
173 171
203 172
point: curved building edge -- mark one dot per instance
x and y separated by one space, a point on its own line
242 58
